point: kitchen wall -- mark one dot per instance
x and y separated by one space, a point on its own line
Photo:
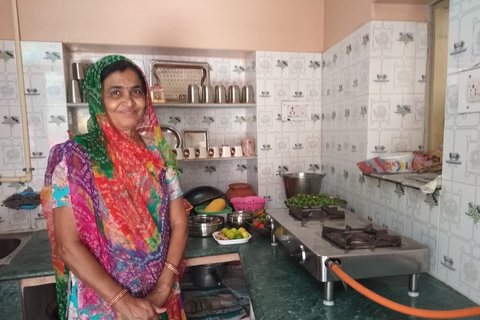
47 121
209 24
344 17
446 221
458 226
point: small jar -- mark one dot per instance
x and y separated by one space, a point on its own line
239 190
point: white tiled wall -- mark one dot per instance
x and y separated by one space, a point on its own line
458 233
444 221
47 122
287 146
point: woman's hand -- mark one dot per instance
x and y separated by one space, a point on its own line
138 309
159 295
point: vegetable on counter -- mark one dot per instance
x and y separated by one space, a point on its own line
231 234
313 200
216 205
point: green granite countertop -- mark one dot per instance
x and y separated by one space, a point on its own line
279 287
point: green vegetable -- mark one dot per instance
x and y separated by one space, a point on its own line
313 200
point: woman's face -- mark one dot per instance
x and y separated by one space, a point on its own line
124 100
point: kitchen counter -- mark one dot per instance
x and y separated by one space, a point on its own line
279 287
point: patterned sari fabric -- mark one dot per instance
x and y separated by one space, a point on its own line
119 197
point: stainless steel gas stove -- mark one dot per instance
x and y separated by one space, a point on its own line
361 248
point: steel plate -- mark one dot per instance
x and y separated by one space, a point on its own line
173 137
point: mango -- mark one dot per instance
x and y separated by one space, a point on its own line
215 206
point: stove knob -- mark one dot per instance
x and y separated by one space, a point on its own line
300 255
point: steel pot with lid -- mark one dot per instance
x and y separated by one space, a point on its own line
302 182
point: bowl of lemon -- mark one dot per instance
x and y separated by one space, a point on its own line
230 236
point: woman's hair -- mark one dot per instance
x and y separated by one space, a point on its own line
121 66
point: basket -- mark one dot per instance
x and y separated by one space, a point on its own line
251 203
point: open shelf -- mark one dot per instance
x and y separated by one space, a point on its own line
182 105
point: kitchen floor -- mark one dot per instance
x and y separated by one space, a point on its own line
228 301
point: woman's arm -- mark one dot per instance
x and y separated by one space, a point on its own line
176 249
84 265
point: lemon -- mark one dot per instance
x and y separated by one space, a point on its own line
233 229
238 236
231 235
245 234
224 231
241 230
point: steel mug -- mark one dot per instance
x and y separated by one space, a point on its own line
247 94
193 93
220 94
233 94
207 93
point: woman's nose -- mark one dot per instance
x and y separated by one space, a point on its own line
129 99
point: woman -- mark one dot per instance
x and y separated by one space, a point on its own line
114 206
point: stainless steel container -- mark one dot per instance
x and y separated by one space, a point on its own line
247 94
239 219
204 225
207 93
74 91
220 94
193 93
302 182
233 94
78 71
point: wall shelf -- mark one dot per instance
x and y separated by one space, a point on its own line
182 105
217 159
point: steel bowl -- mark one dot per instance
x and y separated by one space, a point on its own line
204 225
240 219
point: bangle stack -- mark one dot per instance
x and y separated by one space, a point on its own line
172 268
117 298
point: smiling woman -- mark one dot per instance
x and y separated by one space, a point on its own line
114 206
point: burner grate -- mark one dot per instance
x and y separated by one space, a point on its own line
362 238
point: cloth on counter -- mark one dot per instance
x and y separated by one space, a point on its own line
113 184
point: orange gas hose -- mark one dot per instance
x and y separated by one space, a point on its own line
423 313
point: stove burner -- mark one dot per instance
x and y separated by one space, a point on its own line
361 238
322 213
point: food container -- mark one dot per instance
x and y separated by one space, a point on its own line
302 182
239 219
203 225
398 162
250 204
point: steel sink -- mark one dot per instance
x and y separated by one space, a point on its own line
11 244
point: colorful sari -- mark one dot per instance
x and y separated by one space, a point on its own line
119 196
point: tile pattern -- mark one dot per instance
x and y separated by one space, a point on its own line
458 260
43 66
286 146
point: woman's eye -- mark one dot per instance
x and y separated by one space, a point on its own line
138 91
115 93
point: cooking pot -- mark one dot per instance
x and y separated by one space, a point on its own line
207 275
302 182
204 225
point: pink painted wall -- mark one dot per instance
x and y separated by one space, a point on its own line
345 16
276 25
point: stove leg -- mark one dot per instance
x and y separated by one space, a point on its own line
413 285
328 293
